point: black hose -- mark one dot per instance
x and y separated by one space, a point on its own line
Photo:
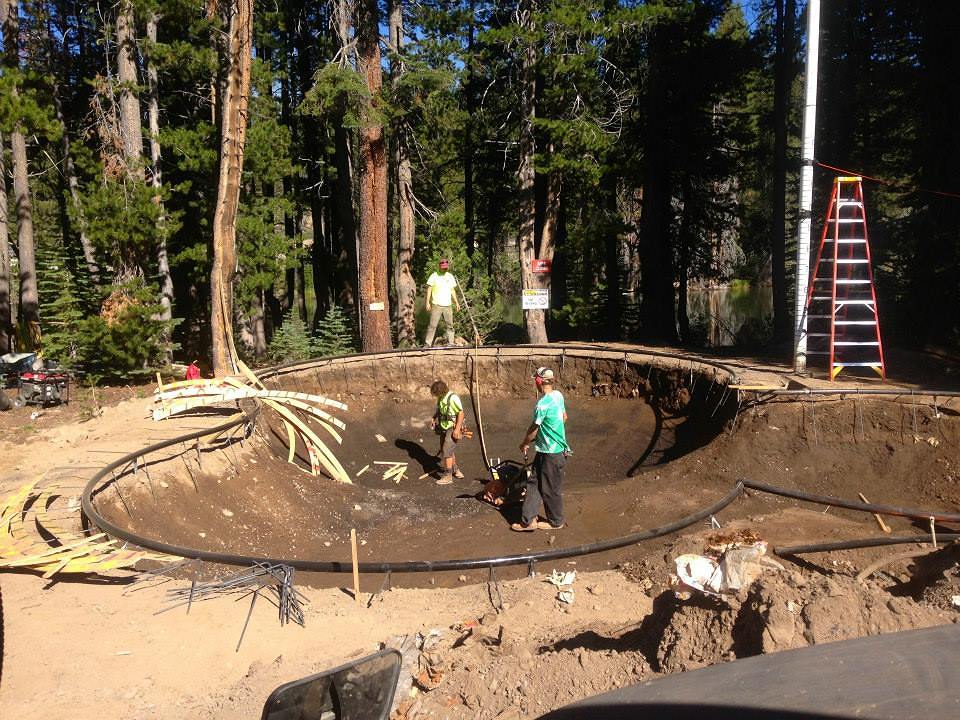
384 567
861 543
92 490
89 491
853 504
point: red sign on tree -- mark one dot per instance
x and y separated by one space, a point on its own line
541 267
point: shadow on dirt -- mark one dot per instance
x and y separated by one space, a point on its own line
416 452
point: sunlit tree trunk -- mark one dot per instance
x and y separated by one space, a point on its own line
259 327
130 131
29 300
534 320
406 286
153 125
6 318
372 182
232 138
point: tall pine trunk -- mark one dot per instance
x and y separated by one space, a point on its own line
405 285
232 138
153 125
534 320
372 181
130 131
259 326
6 318
29 300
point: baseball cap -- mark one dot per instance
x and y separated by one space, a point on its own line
544 373
444 263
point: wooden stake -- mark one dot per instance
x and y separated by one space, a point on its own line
356 571
880 522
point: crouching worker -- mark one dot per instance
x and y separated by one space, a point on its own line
549 435
448 423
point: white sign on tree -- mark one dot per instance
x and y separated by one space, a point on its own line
535 299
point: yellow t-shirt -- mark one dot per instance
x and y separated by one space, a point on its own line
441 288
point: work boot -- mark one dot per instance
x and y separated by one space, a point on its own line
445 479
457 474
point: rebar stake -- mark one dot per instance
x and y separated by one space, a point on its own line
256 594
116 484
493 584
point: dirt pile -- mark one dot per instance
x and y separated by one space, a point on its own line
490 670
782 611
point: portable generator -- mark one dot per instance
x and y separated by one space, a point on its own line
43 387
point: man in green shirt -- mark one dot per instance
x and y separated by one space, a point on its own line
448 422
548 434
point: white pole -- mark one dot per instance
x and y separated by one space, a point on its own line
806 186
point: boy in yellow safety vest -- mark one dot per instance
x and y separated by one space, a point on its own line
448 422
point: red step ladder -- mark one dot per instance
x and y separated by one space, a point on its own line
842 319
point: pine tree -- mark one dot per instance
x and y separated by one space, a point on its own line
64 340
291 341
333 335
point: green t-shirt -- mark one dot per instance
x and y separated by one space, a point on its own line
548 414
448 407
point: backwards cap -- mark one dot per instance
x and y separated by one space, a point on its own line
544 373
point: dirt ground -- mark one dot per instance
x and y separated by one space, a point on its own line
648 449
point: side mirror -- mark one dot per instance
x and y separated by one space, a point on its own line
360 690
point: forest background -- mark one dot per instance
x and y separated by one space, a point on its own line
643 147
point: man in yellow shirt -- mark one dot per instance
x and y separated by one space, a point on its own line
441 294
